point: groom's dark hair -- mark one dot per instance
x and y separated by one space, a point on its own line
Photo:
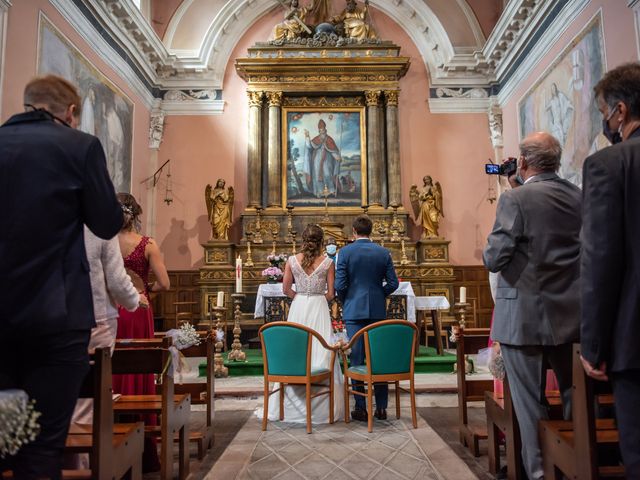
363 225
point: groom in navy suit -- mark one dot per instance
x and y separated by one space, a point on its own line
362 267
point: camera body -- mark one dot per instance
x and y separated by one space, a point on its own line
507 168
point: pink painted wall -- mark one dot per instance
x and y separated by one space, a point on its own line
20 67
620 47
451 148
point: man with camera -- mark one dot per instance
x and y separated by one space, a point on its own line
535 246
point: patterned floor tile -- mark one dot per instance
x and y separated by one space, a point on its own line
294 452
267 468
405 465
361 466
315 467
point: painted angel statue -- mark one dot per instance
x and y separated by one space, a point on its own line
427 206
219 209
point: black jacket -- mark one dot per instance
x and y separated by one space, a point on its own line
610 263
53 179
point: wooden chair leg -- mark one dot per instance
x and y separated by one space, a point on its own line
397 399
412 393
265 413
183 455
282 386
308 401
347 413
201 448
331 399
370 406
166 456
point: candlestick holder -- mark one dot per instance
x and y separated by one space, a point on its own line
236 354
219 370
249 260
274 235
403 260
257 235
325 194
289 222
293 242
395 224
460 311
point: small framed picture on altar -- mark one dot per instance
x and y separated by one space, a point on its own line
324 156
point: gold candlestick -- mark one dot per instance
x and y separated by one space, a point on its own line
293 241
274 234
236 354
219 370
395 224
289 222
460 311
325 194
249 261
404 260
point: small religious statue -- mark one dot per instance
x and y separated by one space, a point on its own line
427 206
220 209
356 21
293 24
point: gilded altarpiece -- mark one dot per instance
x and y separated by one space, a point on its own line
291 88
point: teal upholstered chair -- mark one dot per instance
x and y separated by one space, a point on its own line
389 348
286 355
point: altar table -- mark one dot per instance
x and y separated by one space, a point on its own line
274 290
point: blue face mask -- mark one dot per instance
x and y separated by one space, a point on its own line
332 249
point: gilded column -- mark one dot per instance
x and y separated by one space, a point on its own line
393 148
374 152
254 173
274 192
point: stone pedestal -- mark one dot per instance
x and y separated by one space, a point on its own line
219 253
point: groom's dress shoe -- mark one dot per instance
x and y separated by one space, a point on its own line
360 415
381 414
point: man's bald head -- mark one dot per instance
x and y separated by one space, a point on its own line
541 151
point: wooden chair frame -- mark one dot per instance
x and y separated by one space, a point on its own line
370 379
571 447
115 451
470 340
307 380
143 356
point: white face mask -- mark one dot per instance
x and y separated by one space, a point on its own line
332 249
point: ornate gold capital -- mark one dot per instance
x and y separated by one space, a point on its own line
255 99
274 99
372 97
391 97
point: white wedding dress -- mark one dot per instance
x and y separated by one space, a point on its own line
309 308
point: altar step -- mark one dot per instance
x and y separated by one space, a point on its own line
426 362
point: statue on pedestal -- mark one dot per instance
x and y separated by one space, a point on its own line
294 22
356 21
219 209
427 206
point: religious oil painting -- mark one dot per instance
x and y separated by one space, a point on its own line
562 103
105 111
324 157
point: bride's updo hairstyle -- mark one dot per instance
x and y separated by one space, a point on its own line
131 210
312 239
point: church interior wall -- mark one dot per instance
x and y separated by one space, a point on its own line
21 66
450 147
620 45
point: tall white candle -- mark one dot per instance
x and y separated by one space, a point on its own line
238 274
463 294
220 302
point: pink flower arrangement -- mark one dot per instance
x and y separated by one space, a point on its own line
272 273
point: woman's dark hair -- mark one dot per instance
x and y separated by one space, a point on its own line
131 210
312 239
363 225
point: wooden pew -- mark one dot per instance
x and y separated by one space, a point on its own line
470 341
152 356
201 393
501 417
571 447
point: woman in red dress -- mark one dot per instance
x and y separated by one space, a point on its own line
141 254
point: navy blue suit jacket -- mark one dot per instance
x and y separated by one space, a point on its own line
53 179
361 268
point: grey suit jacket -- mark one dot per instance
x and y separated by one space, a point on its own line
535 245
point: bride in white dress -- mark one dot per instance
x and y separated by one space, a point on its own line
313 275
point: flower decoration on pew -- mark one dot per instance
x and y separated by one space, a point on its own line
183 337
18 421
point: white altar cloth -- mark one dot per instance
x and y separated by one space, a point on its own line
275 290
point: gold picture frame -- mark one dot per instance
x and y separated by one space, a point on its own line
331 159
